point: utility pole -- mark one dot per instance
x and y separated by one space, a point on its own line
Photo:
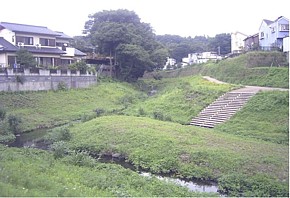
219 50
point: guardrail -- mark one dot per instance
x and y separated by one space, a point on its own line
44 72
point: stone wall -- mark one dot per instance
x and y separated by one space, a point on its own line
26 80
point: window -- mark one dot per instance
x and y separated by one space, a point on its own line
262 35
47 42
273 29
25 40
284 27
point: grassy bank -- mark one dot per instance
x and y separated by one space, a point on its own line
177 99
51 108
253 68
34 173
189 151
265 116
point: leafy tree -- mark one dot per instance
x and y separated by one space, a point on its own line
133 61
118 33
221 43
25 59
159 57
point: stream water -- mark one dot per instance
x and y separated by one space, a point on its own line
32 140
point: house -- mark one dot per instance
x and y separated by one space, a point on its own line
237 42
169 63
197 58
272 33
50 48
251 42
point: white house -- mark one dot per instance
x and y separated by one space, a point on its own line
169 62
237 42
197 58
50 48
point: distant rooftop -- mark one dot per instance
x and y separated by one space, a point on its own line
15 27
63 35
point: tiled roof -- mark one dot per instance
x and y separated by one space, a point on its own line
28 28
6 46
63 35
44 50
79 53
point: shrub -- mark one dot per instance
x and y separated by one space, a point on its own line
99 111
80 159
58 134
158 115
2 114
60 149
14 123
62 86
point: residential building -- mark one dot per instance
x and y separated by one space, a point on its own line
237 42
251 42
169 63
197 58
50 48
272 33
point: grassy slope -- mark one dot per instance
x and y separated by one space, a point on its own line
178 99
30 172
190 151
252 68
46 109
265 116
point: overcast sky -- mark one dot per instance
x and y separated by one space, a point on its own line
176 17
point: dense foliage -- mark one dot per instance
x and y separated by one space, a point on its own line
179 47
122 35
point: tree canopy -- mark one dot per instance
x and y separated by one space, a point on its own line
132 43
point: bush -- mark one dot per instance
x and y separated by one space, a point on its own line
158 115
2 114
99 111
60 149
80 159
14 124
62 86
58 134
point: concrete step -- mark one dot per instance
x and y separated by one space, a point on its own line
222 109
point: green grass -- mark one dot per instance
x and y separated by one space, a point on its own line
50 108
178 99
265 116
252 68
189 151
35 173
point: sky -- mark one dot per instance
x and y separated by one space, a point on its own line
175 17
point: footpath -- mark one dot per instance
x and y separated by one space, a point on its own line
227 105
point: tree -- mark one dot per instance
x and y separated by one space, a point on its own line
25 59
133 61
221 43
132 43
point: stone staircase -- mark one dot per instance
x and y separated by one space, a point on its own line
222 109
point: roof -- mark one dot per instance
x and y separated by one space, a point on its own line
15 27
268 22
44 50
7 46
79 53
63 35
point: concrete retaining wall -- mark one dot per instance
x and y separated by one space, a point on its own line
43 80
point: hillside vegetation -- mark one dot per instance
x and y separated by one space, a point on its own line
253 68
147 124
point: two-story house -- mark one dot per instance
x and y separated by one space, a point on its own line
50 48
251 42
272 33
237 42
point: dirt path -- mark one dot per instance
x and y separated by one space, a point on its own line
254 89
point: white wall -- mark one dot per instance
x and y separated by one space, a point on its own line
8 35
2 60
286 44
